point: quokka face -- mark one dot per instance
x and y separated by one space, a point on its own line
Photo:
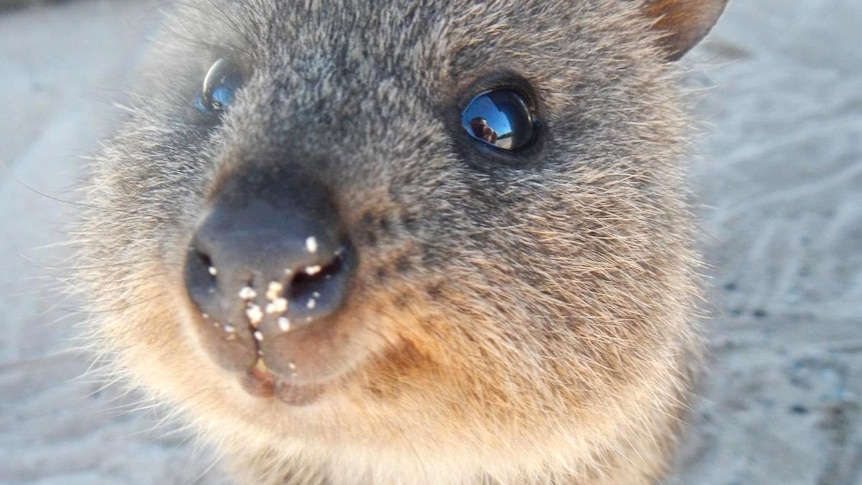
438 241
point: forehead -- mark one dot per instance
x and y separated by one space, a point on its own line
405 36
285 29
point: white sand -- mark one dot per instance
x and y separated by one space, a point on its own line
779 178
782 181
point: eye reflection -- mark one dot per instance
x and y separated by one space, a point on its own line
500 118
482 131
220 85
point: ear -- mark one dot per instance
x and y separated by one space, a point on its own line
683 22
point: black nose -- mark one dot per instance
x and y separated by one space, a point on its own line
271 249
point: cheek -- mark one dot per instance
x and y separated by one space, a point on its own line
144 327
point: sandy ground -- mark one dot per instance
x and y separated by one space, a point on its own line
779 179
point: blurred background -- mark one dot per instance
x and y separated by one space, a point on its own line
777 173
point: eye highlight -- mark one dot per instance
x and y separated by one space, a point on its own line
219 88
500 118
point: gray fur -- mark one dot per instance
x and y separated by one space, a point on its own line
515 320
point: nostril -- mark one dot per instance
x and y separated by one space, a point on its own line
200 275
312 279
205 261
319 289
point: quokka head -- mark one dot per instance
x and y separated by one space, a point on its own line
445 229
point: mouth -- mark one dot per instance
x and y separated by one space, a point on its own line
260 382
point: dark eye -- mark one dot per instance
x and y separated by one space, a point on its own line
500 118
219 88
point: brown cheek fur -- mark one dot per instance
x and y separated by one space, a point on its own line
548 339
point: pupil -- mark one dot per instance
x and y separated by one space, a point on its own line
222 96
499 118
219 87
225 89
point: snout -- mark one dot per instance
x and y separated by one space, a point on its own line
269 267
